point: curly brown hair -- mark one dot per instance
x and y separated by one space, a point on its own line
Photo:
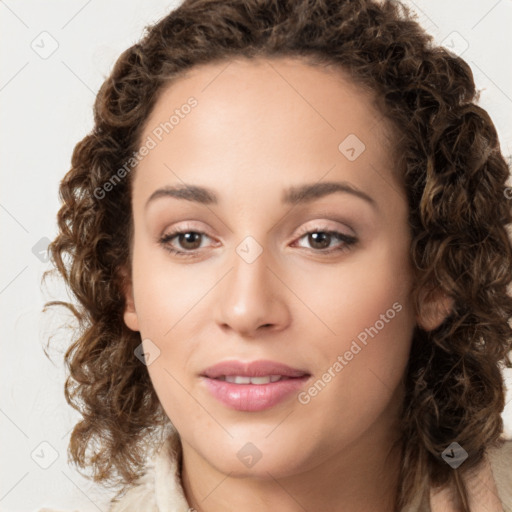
449 160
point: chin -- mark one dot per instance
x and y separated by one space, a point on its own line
256 456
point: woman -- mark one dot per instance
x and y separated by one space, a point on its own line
287 236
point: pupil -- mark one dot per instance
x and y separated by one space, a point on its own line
189 239
314 239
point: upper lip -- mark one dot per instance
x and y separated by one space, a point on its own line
252 369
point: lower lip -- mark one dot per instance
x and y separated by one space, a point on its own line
253 397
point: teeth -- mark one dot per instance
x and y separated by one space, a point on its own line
236 379
239 379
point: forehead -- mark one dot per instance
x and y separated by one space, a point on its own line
320 94
262 118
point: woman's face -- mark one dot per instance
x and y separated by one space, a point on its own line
295 253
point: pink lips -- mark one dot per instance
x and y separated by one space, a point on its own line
252 397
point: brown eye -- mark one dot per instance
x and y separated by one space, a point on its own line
189 240
320 240
186 244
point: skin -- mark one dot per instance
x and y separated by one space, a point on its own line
260 127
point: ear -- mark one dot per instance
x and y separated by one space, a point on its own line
130 314
435 307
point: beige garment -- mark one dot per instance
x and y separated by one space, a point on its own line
160 489
489 488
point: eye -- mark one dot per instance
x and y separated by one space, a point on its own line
320 239
188 239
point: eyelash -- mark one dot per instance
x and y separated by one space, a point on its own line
348 241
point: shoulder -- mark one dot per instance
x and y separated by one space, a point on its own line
140 496
160 488
489 485
500 459
52 510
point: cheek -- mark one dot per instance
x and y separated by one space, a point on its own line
172 390
368 292
164 292
368 321
166 299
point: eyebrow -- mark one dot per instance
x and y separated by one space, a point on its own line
293 195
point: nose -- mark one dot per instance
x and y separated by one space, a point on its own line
252 298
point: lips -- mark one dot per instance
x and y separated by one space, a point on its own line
252 369
253 386
241 379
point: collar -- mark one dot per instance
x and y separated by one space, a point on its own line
169 494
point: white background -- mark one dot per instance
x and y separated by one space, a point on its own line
46 108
